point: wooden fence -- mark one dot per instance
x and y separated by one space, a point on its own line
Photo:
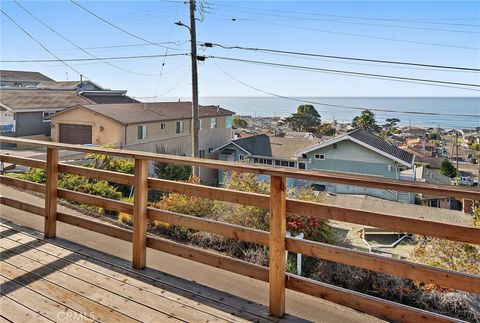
278 243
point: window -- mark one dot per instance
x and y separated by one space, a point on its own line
142 132
162 126
201 153
180 127
255 160
320 156
200 127
284 163
241 157
277 163
47 114
213 122
334 146
228 121
301 165
291 164
269 161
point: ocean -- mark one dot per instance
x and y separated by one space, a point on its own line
463 112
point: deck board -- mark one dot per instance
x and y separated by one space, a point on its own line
44 280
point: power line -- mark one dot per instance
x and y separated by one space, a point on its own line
39 43
120 28
343 106
342 57
417 21
91 59
357 74
256 13
75 45
355 34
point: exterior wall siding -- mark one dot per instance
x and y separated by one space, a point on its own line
30 124
104 130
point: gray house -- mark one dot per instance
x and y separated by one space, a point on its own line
357 152
21 78
23 110
90 90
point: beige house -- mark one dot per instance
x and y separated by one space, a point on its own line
152 127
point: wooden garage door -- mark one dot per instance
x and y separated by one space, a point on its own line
75 134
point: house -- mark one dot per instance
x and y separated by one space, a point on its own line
23 110
414 132
152 127
427 175
262 149
357 152
21 78
90 90
363 153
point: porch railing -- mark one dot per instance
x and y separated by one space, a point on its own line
275 239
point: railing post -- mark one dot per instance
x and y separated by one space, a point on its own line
278 212
139 247
51 177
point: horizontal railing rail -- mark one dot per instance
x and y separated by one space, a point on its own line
278 204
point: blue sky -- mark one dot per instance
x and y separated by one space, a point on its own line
451 29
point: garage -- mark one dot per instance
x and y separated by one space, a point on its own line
75 134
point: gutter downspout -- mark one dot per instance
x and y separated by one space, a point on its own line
125 136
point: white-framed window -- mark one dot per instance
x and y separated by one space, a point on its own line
162 126
46 114
201 153
319 156
142 132
228 122
180 127
241 157
213 122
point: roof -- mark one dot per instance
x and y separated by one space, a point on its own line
368 203
21 99
370 141
8 75
288 147
278 147
131 113
108 99
66 85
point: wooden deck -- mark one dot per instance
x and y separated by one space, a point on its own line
42 280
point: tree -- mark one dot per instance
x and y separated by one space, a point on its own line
239 123
306 118
366 120
447 169
392 122
327 130
172 172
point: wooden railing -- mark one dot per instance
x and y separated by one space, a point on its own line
279 205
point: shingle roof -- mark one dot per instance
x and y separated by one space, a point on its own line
19 99
287 147
256 145
8 75
362 202
109 99
130 113
69 85
263 145
379 143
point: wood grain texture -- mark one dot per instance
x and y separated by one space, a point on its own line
51 177
278 213
139 257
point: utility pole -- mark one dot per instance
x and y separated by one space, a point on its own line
195 113
456 144
195 117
